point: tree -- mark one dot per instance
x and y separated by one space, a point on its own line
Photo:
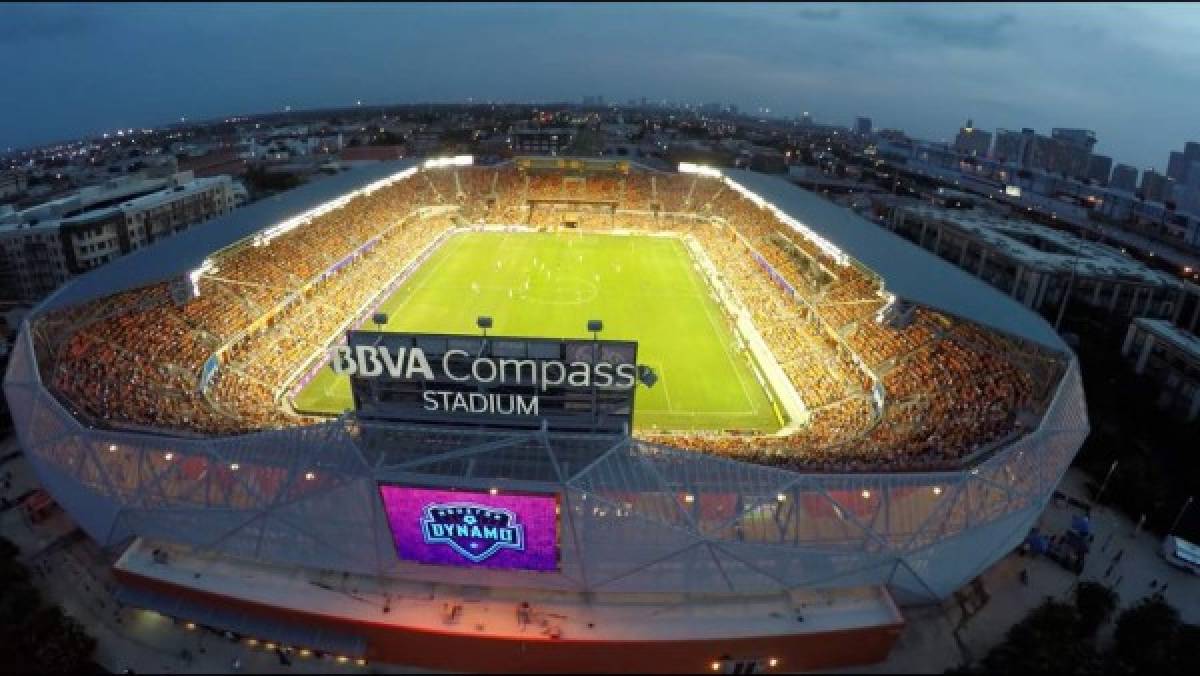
1146 639
36 637
1095 604
259 179
1046 641
386 138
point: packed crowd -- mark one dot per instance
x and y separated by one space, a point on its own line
261 310
950 388
880 397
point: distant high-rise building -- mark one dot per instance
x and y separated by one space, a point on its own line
1180 164
43 246
1154 186
1099 168
1191 175
1124 177
972 141
1015 147
1082 138
1177 167
12 183
1066 151
862 126
1191 152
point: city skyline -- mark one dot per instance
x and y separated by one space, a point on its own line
599 338
919 68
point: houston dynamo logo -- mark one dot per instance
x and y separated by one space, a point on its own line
474 531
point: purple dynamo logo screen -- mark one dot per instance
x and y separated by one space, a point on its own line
469 528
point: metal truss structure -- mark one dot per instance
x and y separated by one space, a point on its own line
635 516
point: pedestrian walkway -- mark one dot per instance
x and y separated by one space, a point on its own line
928 642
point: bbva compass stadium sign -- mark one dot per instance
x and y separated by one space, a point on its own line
489 380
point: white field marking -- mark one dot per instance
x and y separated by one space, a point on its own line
666 390
663 411
413 292
754 410
442 250
691 274
671 410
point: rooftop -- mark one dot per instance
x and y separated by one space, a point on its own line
146 201
187 250
167 194
907 270
1187 343
1043 248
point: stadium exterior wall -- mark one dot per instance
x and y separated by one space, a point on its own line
308 496
482 653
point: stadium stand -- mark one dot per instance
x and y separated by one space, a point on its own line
925 396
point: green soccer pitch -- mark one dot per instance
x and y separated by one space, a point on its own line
550 284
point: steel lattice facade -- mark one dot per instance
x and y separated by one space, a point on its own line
635 517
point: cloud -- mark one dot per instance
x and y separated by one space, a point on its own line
985 32
824 14
1123 70
36 23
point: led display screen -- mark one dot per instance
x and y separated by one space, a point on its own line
468 528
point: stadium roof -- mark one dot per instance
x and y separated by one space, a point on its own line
1181 340
1003 237
908 271
187 250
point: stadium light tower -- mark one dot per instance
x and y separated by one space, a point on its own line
595 326
484 323
379 319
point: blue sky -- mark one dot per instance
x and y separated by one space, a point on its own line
1125 71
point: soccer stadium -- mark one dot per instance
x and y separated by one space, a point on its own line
764 424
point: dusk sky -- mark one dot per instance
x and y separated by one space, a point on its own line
1127 72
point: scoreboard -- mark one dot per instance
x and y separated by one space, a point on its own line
496 381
